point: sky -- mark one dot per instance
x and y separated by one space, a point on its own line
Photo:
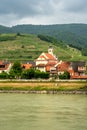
13 12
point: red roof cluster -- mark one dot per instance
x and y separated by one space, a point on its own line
63 66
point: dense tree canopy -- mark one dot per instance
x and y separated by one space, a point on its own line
65 75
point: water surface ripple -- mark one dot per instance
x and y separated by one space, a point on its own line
43 112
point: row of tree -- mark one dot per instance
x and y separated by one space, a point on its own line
17 72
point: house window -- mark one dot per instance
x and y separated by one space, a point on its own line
2 66
23 67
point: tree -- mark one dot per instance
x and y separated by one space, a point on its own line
86 69
28 74
3 75
65 75
44 75
16 69
84 51
18 34
37 74
31 73
11 74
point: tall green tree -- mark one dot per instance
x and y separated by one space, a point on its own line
16 69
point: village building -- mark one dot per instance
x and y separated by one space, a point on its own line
5 66
62 66
28 65
46 62
78 70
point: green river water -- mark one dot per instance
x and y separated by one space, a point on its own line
43 112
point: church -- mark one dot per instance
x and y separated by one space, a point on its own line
47 61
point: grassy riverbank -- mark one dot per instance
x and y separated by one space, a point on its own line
35 86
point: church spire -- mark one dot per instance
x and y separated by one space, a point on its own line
50 50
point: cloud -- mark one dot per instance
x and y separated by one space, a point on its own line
23 8
42 11
79 6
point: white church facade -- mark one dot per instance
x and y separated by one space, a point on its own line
47 61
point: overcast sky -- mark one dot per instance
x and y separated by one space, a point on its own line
14 12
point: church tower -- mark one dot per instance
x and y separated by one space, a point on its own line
50 50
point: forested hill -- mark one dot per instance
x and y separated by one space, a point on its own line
73 34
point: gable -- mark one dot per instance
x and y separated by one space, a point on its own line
46 56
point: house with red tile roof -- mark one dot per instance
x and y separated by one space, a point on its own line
62 66
41 67
51 68
5 66
28 65
77 70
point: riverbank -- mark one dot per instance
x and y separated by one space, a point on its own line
43 87
44 92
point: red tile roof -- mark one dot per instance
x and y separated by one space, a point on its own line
63 66
42 57
71 71
51 63
49 56
1 62
27 66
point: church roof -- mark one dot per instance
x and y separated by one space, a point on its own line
47 56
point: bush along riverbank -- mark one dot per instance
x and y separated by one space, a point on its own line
45 87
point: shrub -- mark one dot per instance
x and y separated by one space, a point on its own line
28 74
3 75
65 75
31 73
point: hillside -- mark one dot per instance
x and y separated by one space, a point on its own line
4 29
25 47
72 34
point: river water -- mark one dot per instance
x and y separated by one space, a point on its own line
43 112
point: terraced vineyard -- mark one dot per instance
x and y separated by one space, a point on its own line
27 47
